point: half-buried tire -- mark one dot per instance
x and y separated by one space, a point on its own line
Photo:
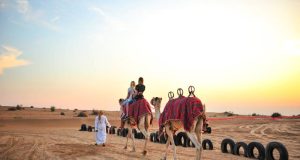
281 149
152 137
162 139
182 139
83 127
208 142
155 138
224 144
237 147
90 129
261 150
119 132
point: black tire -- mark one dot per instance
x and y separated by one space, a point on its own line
119 132
237 146
259 147
162 139
152 137
208 130
90 129
134 131
226 142
182 139
83 127
175 140
155 138
208 142
281 149
124 132
190 143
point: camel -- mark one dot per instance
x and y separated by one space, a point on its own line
195 132
142 124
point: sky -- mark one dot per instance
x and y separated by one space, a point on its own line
241 55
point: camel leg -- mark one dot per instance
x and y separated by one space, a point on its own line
195 141
132 137
142 127
129 128
198 132
167 144
170 137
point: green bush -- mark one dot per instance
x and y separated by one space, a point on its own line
31 107
254 114
82 114
52 108
276 114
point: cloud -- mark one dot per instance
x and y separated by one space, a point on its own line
24 8
97 10
8 58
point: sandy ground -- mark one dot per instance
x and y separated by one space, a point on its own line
40 134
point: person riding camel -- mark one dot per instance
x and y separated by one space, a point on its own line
140 88
129 99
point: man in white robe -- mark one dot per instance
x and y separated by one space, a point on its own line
100 126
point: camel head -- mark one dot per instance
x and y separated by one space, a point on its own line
156 102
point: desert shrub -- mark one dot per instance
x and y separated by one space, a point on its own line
12 109
276 114
75 110
254 114
19 107
31 107
62 113
52 108
94 112
82 114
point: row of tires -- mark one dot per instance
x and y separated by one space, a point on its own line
180 139
229 146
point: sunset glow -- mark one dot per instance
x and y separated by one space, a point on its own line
241 56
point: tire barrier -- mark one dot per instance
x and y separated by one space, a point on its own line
112 130
208 142
182 139
259 147
83 127
280 148
162 139
224 144
237 147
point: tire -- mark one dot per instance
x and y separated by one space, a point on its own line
152 137
155 138
182 139
124 132
237 146
119 132
190 143
175 140
162 139
134 131
207 142
83 127
226 142
90 129
259 147
112 130
281 149
208 130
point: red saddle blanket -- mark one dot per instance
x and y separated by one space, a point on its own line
138 109
184 109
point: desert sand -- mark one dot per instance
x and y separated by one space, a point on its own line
36 133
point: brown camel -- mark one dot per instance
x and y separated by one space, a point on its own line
195 132
143 125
